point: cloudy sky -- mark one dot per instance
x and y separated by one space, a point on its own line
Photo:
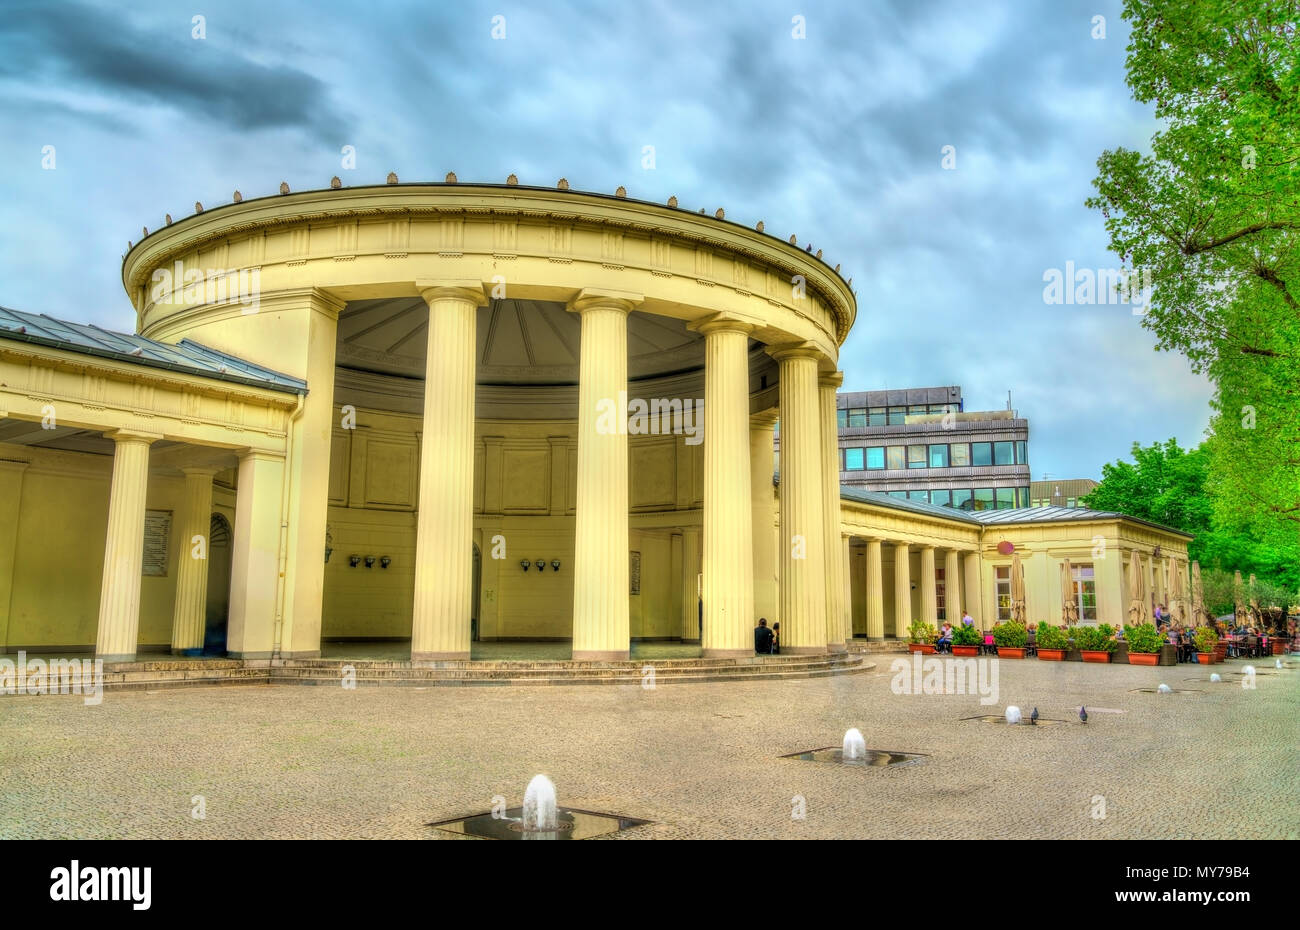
838 137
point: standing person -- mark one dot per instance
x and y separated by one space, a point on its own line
966 619
762 637
776 638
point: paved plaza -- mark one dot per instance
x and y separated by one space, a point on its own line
700 760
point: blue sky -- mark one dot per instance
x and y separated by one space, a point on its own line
837 137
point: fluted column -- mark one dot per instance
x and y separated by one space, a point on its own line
189 613
600 569
119 593
929 600
951 587
974 598
846 588
762 466
728 517
803 539
255 555
444 543
827 385
902 591
875 593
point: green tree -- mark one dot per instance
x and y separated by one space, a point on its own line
1213 214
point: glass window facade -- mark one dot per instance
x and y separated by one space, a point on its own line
853 459
959 454
1085 591
981 453
897 416
916 457
1004 453
876 457
896 457
876 416
1002 574
961 498
938 456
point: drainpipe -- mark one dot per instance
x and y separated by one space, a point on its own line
285 497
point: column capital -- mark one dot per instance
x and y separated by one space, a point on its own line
833 379
764 419
794 350
132 435
898 545
721 323
465 289
596 298
205 470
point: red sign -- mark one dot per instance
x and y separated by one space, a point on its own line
1006 548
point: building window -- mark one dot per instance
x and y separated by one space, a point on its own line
1070 502
1006 498
1002 575
922 496
981 453
940 408
897 416
959 454
876 458
842 418
915 409
876 416
1022 453
942 498
916 456
961 498
939 593
858 417
899 494
853 460
896 457
1022 497
939 456
1004 453
1085 591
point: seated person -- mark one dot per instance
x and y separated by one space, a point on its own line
762 637
944 642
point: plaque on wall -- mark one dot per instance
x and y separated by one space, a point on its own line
634 573
157 528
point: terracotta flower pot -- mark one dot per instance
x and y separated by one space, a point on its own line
1051 655
926 649
1205 658
965 650
1143 658
1096 655
1011 652
1279 647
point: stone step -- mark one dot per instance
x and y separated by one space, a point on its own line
634 665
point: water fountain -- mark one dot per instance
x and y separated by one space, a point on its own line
540 818
855 747
1214 676
1164 688
1013 714
541 813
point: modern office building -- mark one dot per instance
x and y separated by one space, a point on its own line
921 444
1068 492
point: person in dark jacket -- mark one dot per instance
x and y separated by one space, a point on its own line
776 638
762 637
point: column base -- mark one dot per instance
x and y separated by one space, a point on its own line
592 655
836 647
188 653
304 654
727 653
121 657
875 639
248 655
803 650
439 656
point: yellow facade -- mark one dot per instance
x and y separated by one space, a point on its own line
469 360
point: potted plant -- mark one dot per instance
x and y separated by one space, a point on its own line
1052 643
1144 642
1094 642
922 636
1206 640
1010 638
966 640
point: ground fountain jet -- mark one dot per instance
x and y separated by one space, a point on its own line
855 747
541 815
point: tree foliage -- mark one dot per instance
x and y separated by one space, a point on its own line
1213 214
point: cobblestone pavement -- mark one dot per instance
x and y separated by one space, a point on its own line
701 760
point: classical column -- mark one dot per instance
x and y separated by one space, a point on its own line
802 540
762 467
255 555
827 385
728 515
600 570
974 598
846 588
951 587
929 601
119 593
902 591
444 542
875 593
189 613
11 498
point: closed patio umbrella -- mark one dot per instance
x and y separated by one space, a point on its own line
1137 606
1069 606
1198 610
1238 599
1017 588
1176 588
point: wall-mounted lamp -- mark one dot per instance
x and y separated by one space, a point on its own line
370 561
555 564
385 561
541 565
524 564
354 560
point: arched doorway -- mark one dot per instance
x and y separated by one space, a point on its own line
217 610
476 582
